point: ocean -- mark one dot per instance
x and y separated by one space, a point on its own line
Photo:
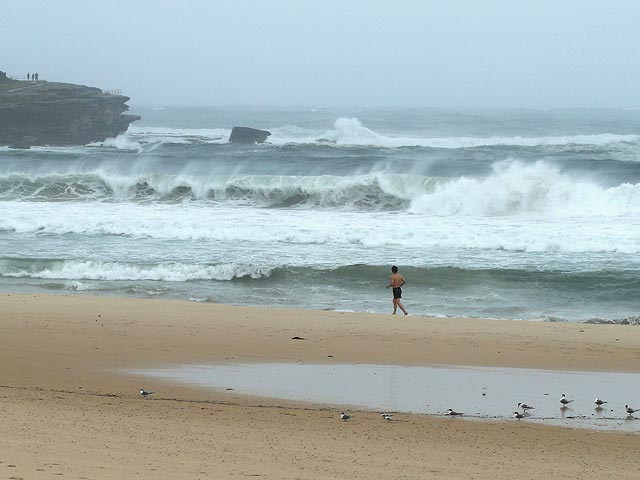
526 214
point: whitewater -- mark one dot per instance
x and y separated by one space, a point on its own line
495 214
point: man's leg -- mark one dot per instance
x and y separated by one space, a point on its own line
395 305
399 303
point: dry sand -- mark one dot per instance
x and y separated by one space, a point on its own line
67 410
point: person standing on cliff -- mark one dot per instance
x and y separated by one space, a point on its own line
396 282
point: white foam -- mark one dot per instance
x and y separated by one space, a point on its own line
516 188
122 142
59 150
336 232
350 131
170 272
78 286
178 135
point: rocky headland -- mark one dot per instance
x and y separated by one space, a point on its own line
59 114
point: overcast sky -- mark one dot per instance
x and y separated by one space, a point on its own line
537 53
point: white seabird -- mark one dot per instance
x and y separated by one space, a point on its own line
525 407
344 416
453 413
564 401
389 418
518 415
630 410
145 393
599 402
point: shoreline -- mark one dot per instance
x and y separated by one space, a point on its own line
61 356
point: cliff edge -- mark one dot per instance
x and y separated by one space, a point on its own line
59 114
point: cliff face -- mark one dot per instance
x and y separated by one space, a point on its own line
51 113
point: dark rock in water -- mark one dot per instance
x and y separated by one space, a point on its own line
59 114
248 135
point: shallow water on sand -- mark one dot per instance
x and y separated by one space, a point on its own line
484 393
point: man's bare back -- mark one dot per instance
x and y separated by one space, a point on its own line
396 280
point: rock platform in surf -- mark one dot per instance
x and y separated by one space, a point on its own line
248 135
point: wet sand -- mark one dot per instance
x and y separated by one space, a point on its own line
67 408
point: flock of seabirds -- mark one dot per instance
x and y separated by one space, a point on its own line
564 402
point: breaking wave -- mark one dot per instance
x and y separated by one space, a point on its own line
92 270
83 275
373 191
515 188
350 131
512 188
345 132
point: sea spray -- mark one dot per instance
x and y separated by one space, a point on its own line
541 189
351 132
512 188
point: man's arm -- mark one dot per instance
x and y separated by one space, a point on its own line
402 281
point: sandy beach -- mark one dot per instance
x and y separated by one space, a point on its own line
68 409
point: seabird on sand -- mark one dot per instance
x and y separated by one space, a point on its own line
344 416
525 407
518 415
599 402
630 410
453 413
564 401
145 393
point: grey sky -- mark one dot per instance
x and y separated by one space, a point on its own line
534 53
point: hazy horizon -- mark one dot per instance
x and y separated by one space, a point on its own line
460 54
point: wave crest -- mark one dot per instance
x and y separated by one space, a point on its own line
351 132
91 270
372 191
513 188
516 188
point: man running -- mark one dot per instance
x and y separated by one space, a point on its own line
396 282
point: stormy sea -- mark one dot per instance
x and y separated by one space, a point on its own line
525 214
